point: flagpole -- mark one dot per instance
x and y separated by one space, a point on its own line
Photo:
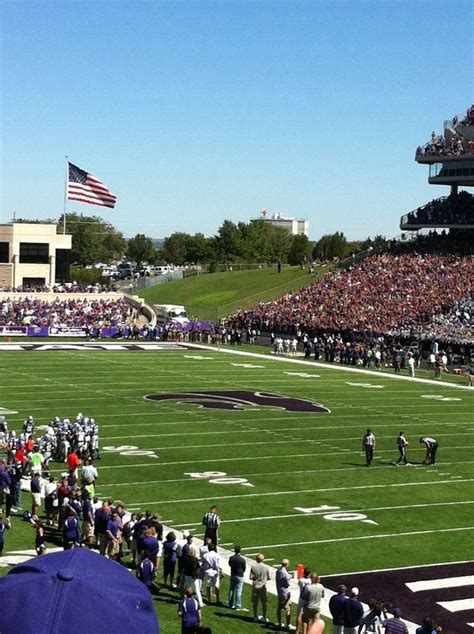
65 195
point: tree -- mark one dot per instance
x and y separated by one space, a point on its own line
93 239
229 241
378 243
199 248
174 248
299 250
330 246
141 249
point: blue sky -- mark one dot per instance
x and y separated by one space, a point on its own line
194 112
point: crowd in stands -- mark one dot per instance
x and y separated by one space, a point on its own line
456 146
382 293
68 512
453 210
468 119
78 312
66 287
439 146
454 241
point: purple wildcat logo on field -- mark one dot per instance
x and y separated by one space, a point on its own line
241 399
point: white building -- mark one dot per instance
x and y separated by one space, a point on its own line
33 254
294 226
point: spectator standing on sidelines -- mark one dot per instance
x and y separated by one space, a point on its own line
402 444
282 580
354 611
259 575
337 607
4 526
190 613
395 625
431 449
35 488
411 364
368 446
211 567
212 523
427 627
146 572
190 568
315 625
302 583
171 551
312 596
470 375
237 566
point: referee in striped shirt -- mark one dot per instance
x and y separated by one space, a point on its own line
431 448
212 522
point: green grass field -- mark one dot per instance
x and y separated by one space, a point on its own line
281 462
218 294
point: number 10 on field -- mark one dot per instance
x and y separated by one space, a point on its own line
334 514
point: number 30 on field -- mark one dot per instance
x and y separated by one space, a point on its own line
219 477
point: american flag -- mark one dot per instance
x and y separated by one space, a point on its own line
88 189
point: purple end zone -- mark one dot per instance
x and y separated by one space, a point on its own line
390 585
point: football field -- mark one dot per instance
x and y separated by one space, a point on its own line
276 445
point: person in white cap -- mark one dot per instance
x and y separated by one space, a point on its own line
353 612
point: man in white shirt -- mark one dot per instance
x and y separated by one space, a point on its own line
211 567
89 473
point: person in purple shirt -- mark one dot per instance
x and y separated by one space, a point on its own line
114 535
146 571
101 518
4 526
151 544
353 612
71 530
337 607
171 549
5 481
190 613
87 533
395 625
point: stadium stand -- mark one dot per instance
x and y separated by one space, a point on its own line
450 211
385 292
77 312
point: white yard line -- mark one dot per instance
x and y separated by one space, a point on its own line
316 364
362 538
354 510
306 491
220 432
240 459
269 474
366 572
272 442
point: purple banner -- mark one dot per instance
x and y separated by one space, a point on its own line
38 331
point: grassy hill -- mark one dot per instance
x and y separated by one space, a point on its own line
218 294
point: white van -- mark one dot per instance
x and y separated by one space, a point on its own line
171 313
161 270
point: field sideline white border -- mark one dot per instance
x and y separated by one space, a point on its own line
316 364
